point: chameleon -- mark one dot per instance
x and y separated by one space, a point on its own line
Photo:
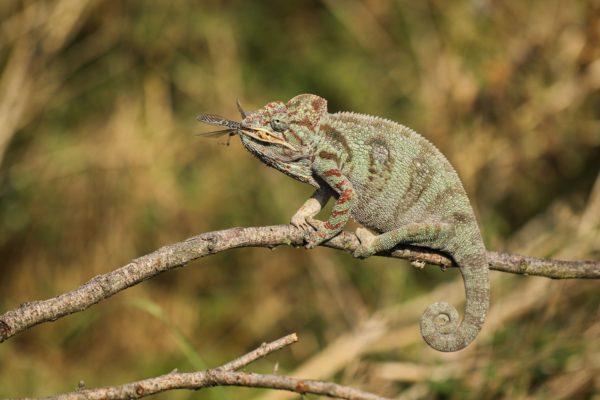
387 177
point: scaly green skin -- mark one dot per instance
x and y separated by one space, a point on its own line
392 181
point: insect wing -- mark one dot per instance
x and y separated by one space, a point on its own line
217 134
217 120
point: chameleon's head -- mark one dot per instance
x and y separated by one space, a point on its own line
289 125
282 135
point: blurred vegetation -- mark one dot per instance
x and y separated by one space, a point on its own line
99 165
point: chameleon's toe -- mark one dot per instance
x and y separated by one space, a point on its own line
315 224
313 239
365 249
299 222
362 252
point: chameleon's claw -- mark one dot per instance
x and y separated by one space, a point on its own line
316 234
313 230
314 239
315 224
300 225
300 222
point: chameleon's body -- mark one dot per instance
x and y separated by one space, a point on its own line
389 179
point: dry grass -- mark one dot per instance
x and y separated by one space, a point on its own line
98 165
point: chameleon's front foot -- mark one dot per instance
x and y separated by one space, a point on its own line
302 221
314 230
366 248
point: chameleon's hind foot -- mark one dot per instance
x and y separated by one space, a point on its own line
367 239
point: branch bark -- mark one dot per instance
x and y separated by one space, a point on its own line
224 375
178 254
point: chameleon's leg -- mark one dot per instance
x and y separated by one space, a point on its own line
417 234
326 167
311 207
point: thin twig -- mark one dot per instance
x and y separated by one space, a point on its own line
224 375
260 352
178 254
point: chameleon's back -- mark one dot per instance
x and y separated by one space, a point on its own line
403 180
399 176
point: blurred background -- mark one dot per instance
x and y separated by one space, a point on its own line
99 165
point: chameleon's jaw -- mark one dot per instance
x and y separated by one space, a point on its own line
263 135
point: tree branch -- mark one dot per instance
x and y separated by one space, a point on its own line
260 352
224 375
178 254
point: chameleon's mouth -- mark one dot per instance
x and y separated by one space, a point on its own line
234 127
264 135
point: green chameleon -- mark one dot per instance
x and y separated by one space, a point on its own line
389 179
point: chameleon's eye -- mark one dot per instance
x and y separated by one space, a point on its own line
278 125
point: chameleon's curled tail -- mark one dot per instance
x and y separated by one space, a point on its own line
440 322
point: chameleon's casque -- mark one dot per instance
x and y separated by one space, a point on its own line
387 177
